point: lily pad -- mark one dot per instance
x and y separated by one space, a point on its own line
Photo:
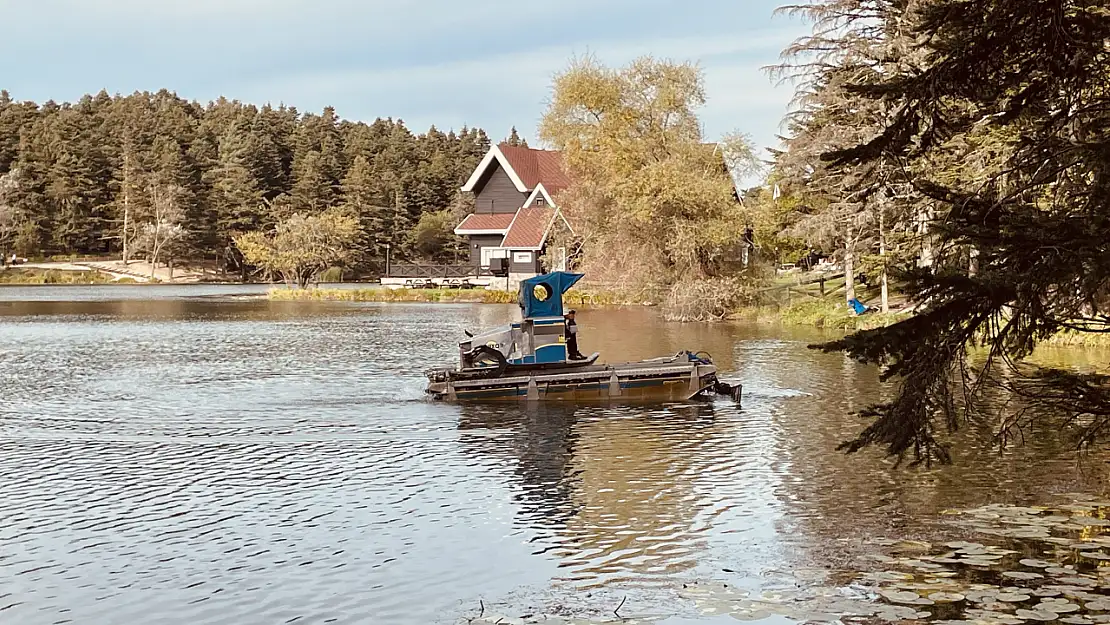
1095 555
981 596
883 577
1080 581
1058 608
963 545
1090 521
987 616
1056 540
894 614
909 546
1036 564
980 562
1076 620
900 596
1098 606
946 597
1036 615
1011 597
996 606
1021 575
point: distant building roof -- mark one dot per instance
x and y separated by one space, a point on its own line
529 229
526 168
485 223
537 166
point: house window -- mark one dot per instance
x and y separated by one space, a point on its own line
539 201
493 252
522 257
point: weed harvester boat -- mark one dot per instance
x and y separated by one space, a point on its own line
528 361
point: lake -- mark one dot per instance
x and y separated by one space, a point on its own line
190 455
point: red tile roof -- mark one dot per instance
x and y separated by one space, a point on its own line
486 221
536 166
529 227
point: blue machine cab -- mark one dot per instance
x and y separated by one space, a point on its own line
539 338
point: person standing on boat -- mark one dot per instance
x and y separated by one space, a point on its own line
572 337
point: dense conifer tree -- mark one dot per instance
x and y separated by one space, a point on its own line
84 173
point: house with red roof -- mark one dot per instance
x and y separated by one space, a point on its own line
515 211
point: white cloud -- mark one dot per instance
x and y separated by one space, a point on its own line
477 90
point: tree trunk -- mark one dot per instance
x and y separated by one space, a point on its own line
849 266
882 259
926 258
973 263
126 221
126 199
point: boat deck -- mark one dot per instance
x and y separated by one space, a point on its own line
665 378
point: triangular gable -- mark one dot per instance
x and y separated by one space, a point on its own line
539 190
494 154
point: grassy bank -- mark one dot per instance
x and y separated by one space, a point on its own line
827 314
835 315
477 296
54 276
480 296
1071 338
830 313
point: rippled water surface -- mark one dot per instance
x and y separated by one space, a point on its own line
195 456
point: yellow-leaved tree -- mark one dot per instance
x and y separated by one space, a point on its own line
302 247
653 205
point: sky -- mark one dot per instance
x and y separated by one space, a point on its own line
485 63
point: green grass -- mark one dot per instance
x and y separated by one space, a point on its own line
582 298
52 276
393 295
819 313
1071 338
834 314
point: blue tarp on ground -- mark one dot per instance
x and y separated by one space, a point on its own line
857 306
546 302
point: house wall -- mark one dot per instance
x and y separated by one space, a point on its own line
531 266
478 241
495 192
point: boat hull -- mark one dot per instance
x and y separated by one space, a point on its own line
643 381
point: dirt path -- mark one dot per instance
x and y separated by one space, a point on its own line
136 270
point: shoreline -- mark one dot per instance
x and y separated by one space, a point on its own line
821 314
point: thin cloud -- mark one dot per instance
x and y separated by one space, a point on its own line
512 89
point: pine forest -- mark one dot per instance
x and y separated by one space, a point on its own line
98 176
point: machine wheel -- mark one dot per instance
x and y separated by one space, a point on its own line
485 353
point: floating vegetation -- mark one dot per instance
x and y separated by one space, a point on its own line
1049 565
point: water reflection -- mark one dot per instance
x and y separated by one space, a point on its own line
631 496
233 460
539 442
